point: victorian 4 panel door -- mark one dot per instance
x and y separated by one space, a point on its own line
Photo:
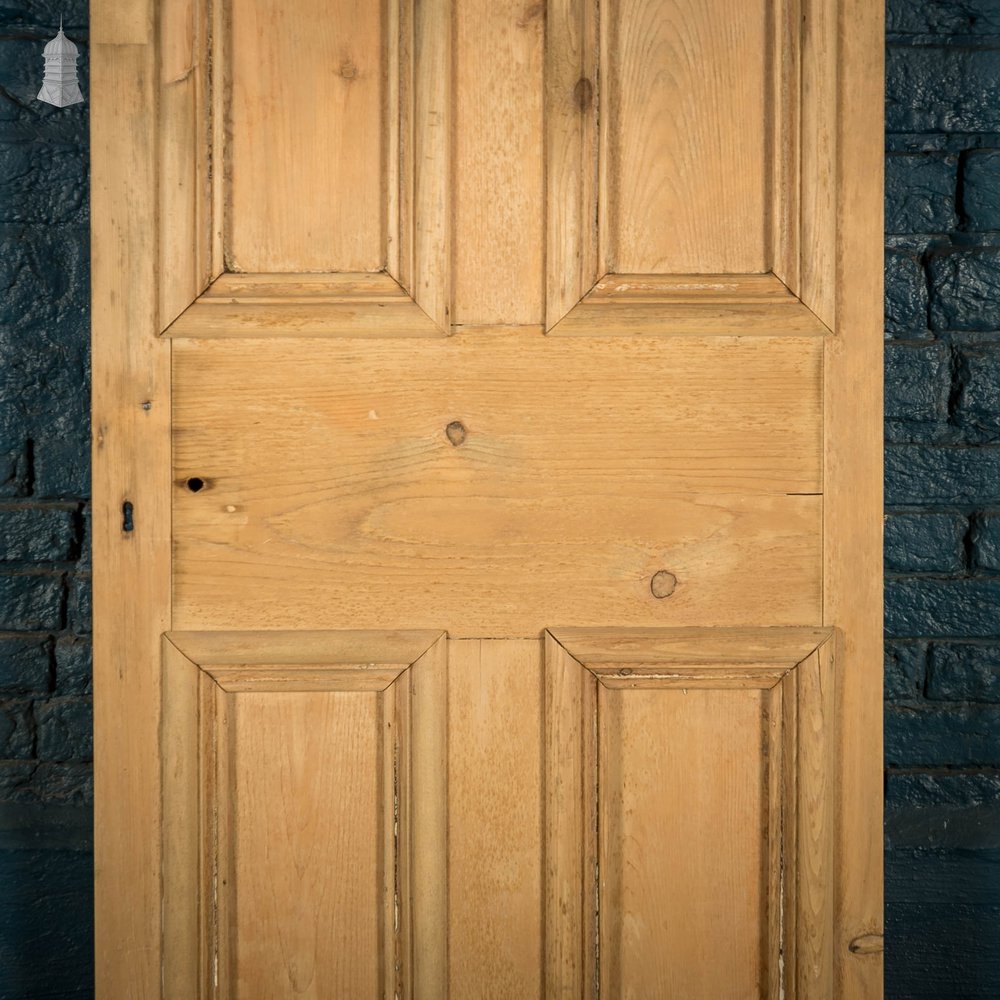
487 498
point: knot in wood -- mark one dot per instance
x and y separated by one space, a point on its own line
456 432
663 584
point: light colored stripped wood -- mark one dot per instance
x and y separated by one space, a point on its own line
184 137
131 455
308 80
852 511
495 820
498 181
572 79
570 850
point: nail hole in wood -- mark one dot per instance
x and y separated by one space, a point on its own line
195 484
456 432
663 584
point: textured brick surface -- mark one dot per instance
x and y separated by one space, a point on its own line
920 193
925 543
942 613
981 190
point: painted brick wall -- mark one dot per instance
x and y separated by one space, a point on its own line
942 527
45 717
942 524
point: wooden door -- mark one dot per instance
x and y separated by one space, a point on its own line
487 498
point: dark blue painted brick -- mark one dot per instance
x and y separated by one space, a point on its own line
986 542
24 665
917 381
942 809
981 190
925 543
918 474
74 665
940 89
965 290
46 923
62 461
31 781
906 295
36 534
920 193
945 736
964 672
17 731
942 17
30 602
43 182
905 668
977 397
79 609
65 730
930 608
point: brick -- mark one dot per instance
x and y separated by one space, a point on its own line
905 669
930 608
24 665
981 190
30 602
964 672
36 535
17 731
62 460
985 539
920 193
925 543
74 665
41 182
79 609
31 782
919 474
906 295
977 396
965 290
945 736
917 381
942 89
65 730
942 17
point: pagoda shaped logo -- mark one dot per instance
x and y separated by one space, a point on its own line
60 85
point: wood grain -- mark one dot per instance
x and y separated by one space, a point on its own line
334 493
185 149
687 182
333 827
572 99
852 591
495 819
324 209
498 169
571 968
822 28
131 456
681 814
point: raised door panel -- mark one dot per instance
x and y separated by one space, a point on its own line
689 836
304 814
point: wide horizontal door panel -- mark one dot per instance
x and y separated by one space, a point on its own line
689 801
496 483
304 815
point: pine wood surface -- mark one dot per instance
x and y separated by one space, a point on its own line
443 657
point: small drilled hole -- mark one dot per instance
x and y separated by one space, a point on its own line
195 483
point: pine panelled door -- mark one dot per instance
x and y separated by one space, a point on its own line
487 421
